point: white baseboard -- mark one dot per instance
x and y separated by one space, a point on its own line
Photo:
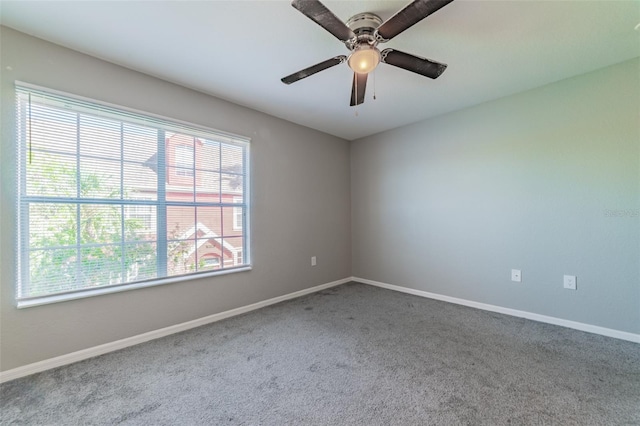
623 335
70 358
83 354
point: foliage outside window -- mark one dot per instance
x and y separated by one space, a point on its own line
101 204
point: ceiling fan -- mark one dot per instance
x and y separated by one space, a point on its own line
361 34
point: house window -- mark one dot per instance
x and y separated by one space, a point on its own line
95 211
184 160
237 214
238 259
140 218
211 262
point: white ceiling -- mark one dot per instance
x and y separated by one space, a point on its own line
239 50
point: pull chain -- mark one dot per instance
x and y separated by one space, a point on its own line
374 85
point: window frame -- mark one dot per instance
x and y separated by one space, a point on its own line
123 115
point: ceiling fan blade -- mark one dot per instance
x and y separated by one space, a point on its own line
314 69
413 13
412 63
359 85
322 16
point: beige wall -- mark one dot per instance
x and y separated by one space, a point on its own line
301 192
546 181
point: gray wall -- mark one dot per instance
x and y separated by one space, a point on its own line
448 205
451 205
300 208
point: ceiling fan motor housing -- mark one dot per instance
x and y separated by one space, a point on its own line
363 26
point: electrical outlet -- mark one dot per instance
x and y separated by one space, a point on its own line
313 261
516 275
570 282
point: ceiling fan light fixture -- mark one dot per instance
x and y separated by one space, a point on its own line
364 59
361 34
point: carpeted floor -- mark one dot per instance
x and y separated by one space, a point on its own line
350 355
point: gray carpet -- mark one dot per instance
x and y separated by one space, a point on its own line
350 355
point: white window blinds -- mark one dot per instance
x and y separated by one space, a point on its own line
109 197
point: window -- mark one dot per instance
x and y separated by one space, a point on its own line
237 214
140 218
211 262
184 160
98 209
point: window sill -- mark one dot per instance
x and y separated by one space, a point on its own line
45 300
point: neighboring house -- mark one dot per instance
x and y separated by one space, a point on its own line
210 237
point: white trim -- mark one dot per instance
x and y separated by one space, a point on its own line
609 332
81 294
83 354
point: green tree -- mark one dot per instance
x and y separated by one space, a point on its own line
103 247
